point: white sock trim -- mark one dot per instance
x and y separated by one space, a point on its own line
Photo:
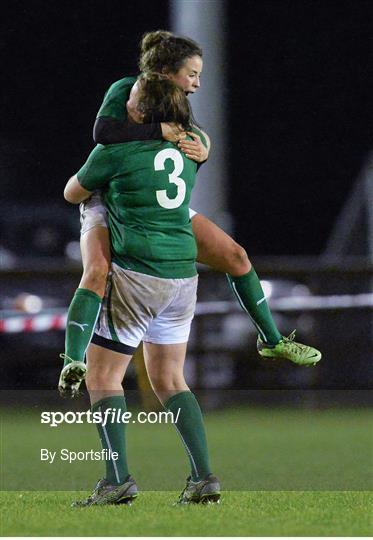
244 308
188 452
93 329
110 448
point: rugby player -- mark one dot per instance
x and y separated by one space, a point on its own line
151 291
180 59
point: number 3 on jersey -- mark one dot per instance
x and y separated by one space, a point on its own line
159 161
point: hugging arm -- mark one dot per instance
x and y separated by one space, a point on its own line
74 193
198 148
108 130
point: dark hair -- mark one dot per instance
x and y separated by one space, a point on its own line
163 52
160 100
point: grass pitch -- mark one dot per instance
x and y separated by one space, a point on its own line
284 472
152 514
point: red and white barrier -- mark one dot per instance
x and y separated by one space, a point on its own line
12 323
33 323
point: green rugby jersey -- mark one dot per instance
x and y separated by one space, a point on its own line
114 106
146 188
115 99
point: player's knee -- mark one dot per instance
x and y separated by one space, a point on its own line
156 383
90 381
238 261
95 276
96 381
167 385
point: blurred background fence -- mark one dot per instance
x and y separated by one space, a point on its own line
326 298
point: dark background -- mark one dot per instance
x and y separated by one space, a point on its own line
299 109
298 98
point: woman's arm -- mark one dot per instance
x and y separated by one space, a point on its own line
108 130
74 193
112 126
95 174
111 131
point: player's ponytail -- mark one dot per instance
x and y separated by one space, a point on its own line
152 39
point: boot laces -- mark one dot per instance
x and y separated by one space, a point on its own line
185 489
297 347
65 357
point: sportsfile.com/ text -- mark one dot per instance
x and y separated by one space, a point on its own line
109 416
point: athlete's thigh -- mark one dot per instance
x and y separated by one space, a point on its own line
213 244
105 364
95 247
94 233
164 362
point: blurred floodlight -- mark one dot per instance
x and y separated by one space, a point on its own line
235 330
45 238
7 259
29 303
300 290
72 251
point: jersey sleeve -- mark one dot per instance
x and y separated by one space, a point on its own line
114 104
97 170
112 126
111 131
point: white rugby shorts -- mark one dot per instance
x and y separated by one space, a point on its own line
138 307
93 212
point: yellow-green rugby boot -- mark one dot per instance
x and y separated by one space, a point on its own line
71 377
287 348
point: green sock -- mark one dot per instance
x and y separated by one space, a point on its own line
112 437
190 426
250 295
81 321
